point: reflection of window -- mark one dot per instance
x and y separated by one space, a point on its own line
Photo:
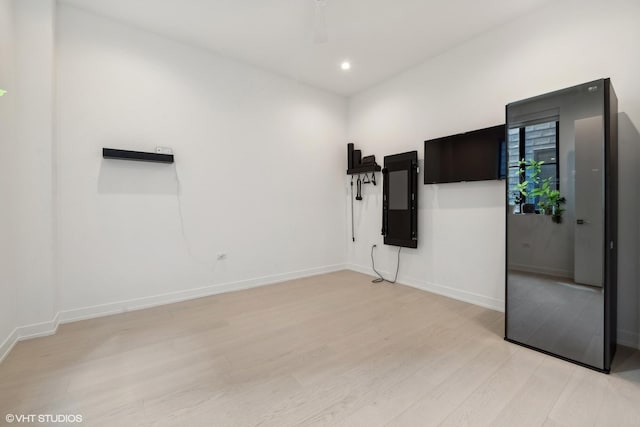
538 142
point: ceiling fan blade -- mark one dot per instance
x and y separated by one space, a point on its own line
319 22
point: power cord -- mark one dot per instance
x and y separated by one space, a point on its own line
182 226
380 278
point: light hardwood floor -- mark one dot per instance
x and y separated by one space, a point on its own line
326 350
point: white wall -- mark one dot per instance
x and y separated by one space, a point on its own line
28 287
33 155
8 312
461 226
258 172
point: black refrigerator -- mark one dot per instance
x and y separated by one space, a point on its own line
561 223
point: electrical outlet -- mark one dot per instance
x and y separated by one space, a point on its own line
164 150
221 256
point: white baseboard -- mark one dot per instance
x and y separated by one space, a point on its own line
67 316
27 332
8 344
466 296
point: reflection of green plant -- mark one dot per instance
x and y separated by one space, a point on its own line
2 92
534 169
549 200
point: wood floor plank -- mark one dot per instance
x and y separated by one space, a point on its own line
488 400
530 406
433 408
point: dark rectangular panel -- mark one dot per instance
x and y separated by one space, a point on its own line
470 156
400 200
112 153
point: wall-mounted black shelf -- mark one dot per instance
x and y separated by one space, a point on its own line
141 156
364 169
356 164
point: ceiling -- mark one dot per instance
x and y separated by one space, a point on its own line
379 38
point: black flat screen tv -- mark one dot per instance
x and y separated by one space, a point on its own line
479 155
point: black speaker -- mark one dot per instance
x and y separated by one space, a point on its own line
357 158
350 155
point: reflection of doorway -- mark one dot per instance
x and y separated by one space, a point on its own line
589 199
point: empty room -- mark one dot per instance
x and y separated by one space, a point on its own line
320 212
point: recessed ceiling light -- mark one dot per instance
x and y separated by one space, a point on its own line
346 65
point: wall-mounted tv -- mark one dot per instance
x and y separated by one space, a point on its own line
479 155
